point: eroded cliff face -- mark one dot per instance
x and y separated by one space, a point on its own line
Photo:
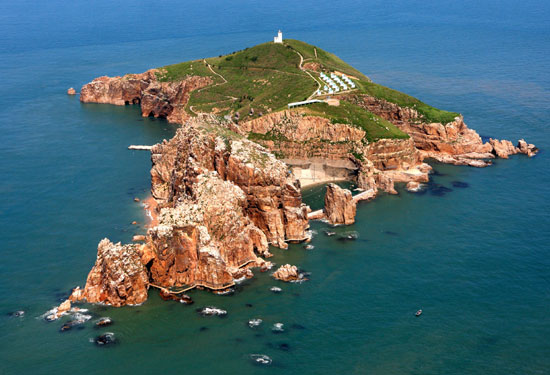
304 139
299 136
453 143
117 278
273 195
221 200
340 208
158 99
205 238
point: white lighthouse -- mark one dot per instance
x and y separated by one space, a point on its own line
278 38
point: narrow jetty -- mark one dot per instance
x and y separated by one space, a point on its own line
140 147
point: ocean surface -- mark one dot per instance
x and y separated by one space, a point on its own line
475 258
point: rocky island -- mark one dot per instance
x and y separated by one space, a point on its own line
256 126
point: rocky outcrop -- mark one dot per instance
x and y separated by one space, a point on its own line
273 197
296 135
220 199
527 148
205 238
452 143
503 148
71 91
287 273
413 186
340 208
158 99
117 278
305 140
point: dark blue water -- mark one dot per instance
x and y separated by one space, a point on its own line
476 259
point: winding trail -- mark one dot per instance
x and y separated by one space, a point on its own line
209 87
308 73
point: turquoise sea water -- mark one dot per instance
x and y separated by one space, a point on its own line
475 259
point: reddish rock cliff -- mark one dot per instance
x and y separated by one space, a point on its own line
221 199
117 278
158 99
310 138
273 196
340 207
451 143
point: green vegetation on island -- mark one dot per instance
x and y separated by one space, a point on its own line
253 82
429 113
348 113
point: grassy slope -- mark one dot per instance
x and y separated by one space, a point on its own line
327 59
430 113
182 70
267 77
347 113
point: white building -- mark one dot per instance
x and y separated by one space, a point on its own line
278 38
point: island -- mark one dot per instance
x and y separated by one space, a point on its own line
257 125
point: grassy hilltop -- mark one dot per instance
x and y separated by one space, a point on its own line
265 78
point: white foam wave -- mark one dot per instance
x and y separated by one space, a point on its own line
254 322
211 310
261 359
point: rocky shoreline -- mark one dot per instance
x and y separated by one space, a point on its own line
219 199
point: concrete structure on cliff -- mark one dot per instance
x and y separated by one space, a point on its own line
278 38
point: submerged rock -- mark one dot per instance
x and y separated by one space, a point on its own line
17 314
105 339
181 298
460 184
330 233
348 236
439 190
284 346
309 247
275 289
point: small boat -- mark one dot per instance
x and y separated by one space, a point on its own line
418 313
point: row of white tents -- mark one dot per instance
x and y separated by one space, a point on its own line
334 83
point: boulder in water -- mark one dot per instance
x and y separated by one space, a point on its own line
253 323
278 328
104 321
413 186
261 359
211 310
105 339
460 184
18 314
181 298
